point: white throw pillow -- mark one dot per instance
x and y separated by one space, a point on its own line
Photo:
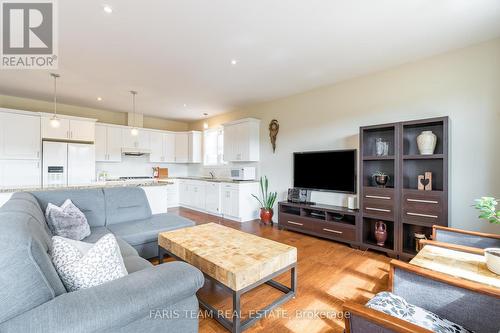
83 265
67 221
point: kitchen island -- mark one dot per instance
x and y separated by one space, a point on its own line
156 190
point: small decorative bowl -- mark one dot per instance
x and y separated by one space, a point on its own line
492 256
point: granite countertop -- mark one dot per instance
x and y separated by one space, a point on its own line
217 180
160 182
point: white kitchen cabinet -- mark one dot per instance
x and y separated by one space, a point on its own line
242 141
157 198
195 147
19 173
230 203
184 197
139 141
55 133
173 193
81 130
19 136
212 197
156 142
181 147
108 143
69 129
231 200
169 147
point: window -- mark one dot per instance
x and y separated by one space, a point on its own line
213 146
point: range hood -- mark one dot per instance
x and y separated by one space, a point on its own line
135 151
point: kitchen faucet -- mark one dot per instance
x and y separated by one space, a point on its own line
211 174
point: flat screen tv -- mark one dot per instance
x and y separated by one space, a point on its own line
333 171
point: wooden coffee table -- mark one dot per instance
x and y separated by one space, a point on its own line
234 259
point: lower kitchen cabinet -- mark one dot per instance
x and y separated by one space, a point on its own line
233 201
19 173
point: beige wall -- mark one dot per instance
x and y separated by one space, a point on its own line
105 116
464 85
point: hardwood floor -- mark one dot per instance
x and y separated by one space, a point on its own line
329 273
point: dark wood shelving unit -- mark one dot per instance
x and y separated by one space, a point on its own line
401 206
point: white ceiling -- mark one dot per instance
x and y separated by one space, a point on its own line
177 52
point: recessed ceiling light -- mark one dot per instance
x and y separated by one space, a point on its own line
99 99
234 62
108 9
185 105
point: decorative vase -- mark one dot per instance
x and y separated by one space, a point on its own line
381 180
492 256
426 142
266 216
380 233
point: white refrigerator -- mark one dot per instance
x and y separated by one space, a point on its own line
67 164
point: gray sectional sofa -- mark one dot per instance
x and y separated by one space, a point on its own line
33 299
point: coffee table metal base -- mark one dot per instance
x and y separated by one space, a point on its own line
236 325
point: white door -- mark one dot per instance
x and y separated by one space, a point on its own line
156 146
169 147
101 143
55 164
58 133
81 164
18 173
199 196
212 198
226 202
114 144
195 150
81 130
181 147
19 136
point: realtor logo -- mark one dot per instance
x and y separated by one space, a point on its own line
29 34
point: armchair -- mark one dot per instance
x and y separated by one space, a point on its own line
465 237
469 304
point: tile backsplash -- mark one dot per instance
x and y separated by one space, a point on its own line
138 166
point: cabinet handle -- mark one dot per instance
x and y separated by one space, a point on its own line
38 165
423 215
67 135
37 154
296 223
71 134
377 197
423 201
378 209
334 231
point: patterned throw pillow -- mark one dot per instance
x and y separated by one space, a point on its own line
67 221
398 307
82 265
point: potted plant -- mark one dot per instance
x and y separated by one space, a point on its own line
381 178
488 212
266 201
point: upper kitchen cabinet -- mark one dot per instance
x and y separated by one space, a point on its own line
70 128
162 147
241 140
19 136
182 147
188 147
194 149
108 143
139 141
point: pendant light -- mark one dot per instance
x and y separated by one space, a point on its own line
134 131
205 123
54 121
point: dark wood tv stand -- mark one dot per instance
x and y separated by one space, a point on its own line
326 221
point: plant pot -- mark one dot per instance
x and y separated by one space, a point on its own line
492 256
266 216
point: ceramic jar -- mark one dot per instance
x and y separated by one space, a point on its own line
426 142
266 216
380 233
